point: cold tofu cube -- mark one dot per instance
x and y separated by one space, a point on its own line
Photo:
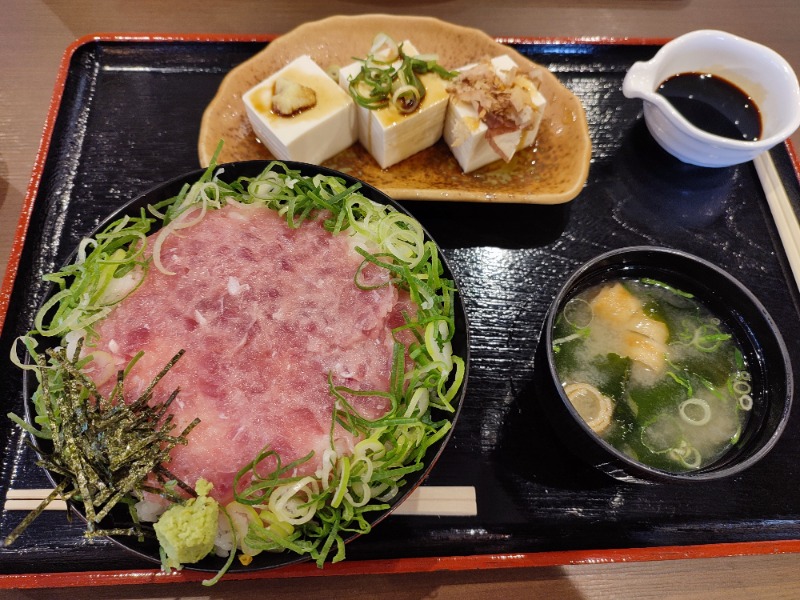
466 132
300 113
391 136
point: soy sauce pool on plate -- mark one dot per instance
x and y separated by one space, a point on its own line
713 104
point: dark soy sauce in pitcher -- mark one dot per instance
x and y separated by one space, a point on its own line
714 105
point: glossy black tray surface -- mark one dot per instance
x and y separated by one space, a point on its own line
129 119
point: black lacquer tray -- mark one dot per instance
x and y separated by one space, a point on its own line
128 119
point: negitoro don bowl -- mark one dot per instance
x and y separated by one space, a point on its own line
228 172
770 381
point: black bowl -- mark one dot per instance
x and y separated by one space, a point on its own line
750 324
119 517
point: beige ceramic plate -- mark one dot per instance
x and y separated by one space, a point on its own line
551 172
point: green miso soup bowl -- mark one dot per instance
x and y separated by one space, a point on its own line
688 381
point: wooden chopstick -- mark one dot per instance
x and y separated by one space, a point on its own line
428 500
782 211
441 501
30 499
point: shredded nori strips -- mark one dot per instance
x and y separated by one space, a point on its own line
103 447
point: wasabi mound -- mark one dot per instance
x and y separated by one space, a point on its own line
186 531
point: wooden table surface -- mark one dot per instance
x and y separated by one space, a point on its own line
33 37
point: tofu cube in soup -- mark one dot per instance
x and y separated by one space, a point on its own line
300 113
495 109
390 135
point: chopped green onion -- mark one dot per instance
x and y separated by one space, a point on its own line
661 284
688 411
381 82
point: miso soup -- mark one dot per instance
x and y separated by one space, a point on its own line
653 372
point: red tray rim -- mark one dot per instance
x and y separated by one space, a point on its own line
407 565
363 567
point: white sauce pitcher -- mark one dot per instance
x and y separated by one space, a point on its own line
757 70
